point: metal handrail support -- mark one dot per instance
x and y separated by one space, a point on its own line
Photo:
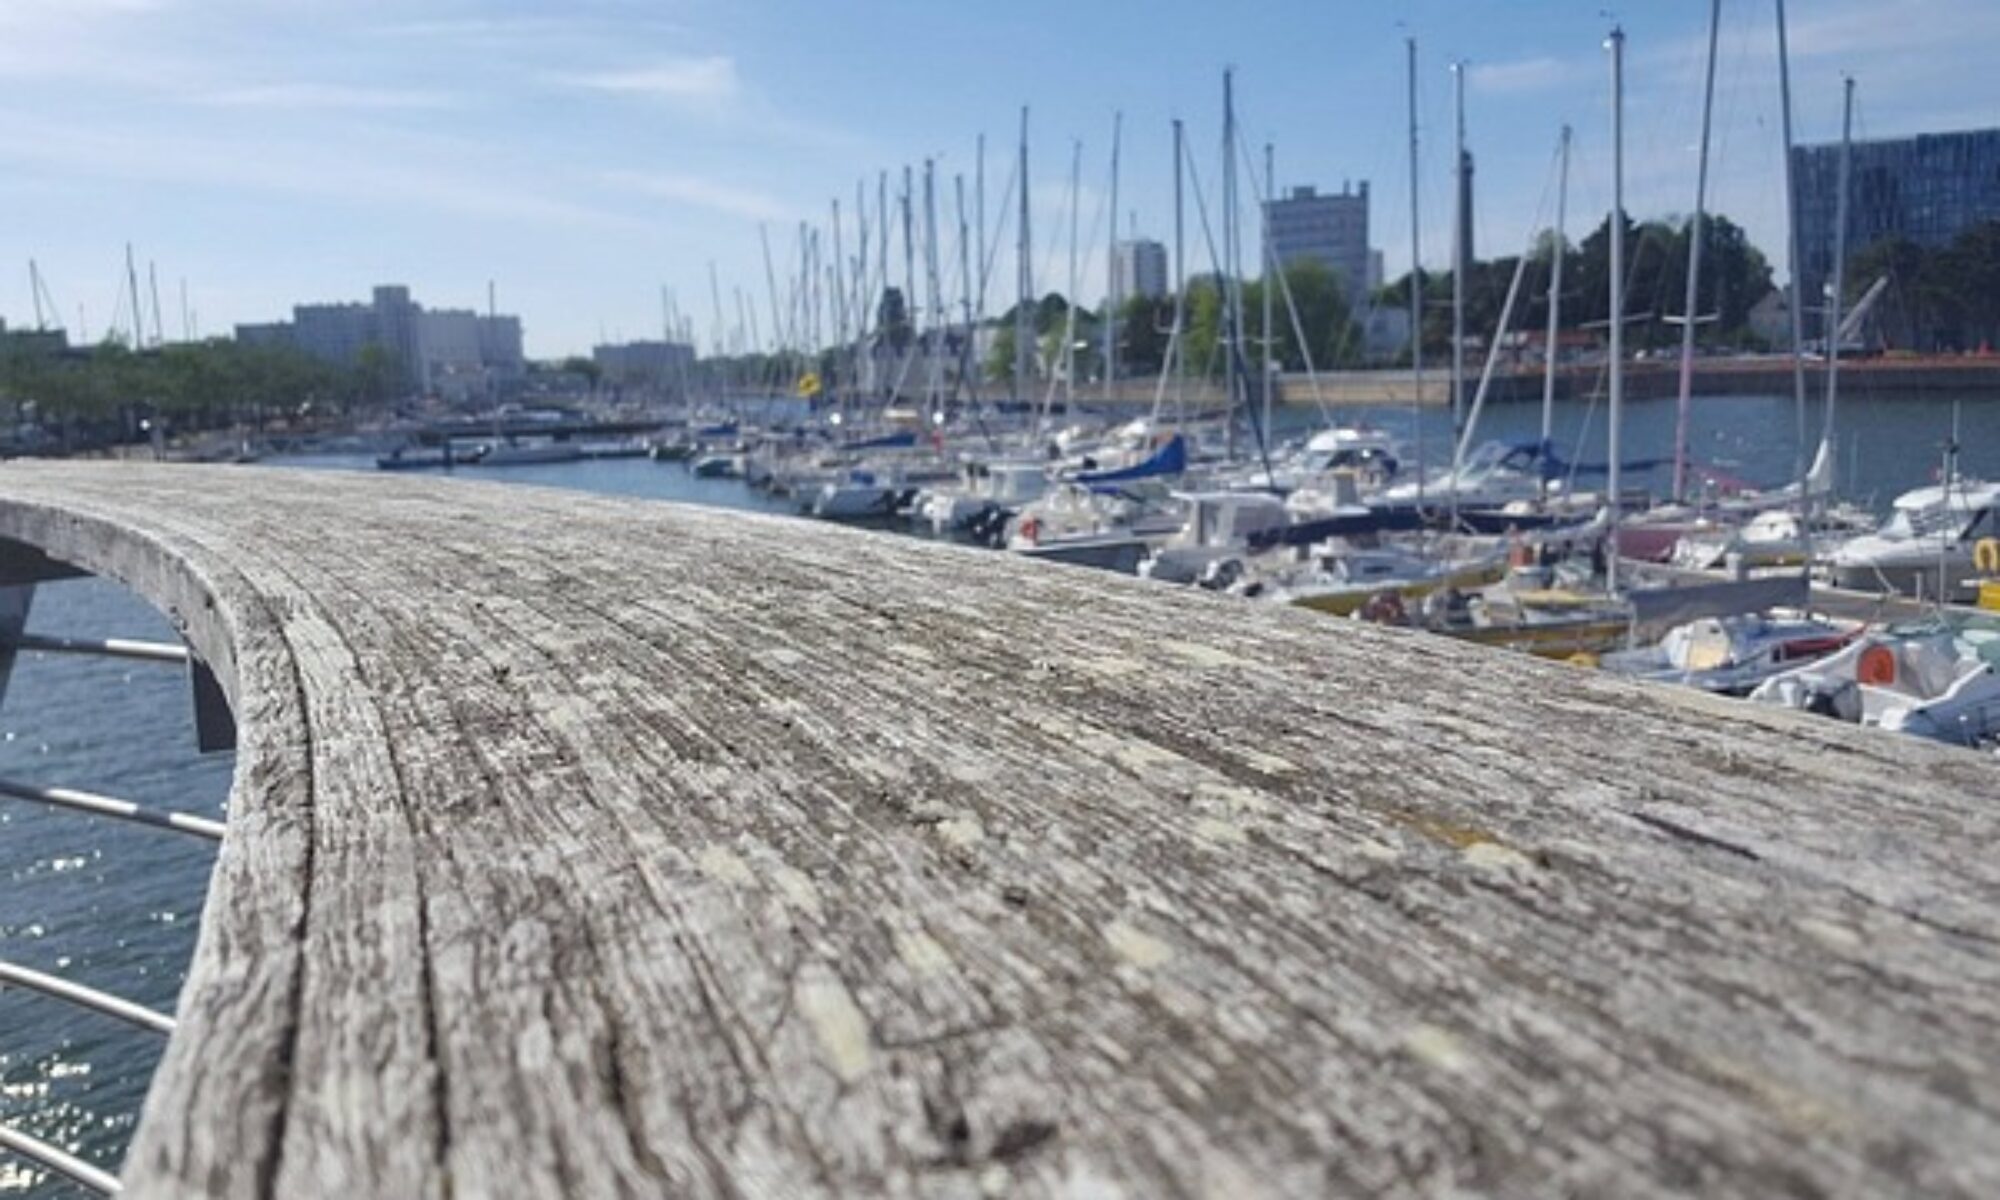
111 806
161 652
42 1154
85 997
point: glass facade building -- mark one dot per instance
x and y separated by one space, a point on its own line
1927 188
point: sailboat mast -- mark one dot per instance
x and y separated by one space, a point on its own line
1069 304
1833 315
860 364
1024 274
1616 44
771 286
1114 293
979 201
1176 339
35 293
153 286
1797 304
877 371
1459 252
1698 228
935 284
839 298
1232 315
1270 273
138 311
910 308
966 379
1416 282
1555 299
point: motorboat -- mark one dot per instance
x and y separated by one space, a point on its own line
862 494
412 458
1368 455
511 453
1344 580
1493 476
1075 523
984 488
718 466
1216 526
1937 679
1773 538
1932 532
1732 655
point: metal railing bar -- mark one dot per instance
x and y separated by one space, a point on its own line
163 652
43 1154
85 997
111 806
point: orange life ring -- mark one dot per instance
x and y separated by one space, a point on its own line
1030 530
1877 667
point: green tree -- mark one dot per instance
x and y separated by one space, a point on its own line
1316 293
576 364
892 320
1000 355
1144 325
1908 312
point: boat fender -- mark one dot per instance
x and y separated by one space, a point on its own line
1876 667
1986 556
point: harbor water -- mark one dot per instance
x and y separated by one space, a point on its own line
116 906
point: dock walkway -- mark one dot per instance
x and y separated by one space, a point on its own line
591 847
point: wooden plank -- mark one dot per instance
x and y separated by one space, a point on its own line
594 847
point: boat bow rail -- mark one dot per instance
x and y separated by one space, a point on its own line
583 846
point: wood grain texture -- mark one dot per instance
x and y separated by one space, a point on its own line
593 847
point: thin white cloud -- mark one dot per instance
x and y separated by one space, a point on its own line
17 13
710 194
327 96
198 161
709 78
1520 76
540 30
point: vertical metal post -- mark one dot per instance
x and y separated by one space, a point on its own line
1024 274
1693 295
15 601
1176 342
1229 311
1797 304
1616 45
1555 299
1114 294
1833 310
1416 282
1269 272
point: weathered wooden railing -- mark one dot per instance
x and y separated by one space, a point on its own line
589 847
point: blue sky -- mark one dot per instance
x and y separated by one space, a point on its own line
584 154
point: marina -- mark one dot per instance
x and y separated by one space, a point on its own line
1346 606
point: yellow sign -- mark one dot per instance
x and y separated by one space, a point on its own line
808 385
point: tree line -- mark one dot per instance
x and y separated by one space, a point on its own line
1939 298
103 393
1735 275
